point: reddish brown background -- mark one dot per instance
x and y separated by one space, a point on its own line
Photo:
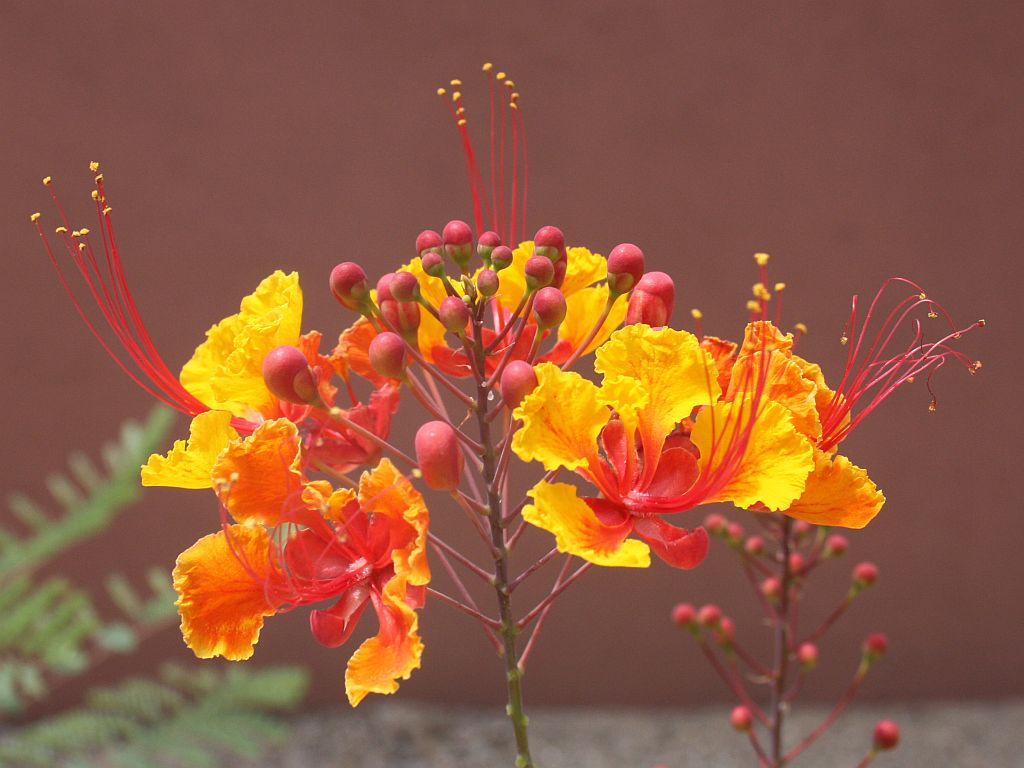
852 141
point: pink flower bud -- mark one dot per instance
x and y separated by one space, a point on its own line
288 376
709 615
625 267
651 301
865 574
836 545
715 524
539 272
734 531
403 317
742 718
801 528
797 564
549 242
754 546
439 455
501 257
875 645
348 284
560 266
517 381
549 307
433 264
807 655
454 314
887 735
486 244
684 615
487 282
771 588
388 355
726 630
405 286
384 287
458 241
428 241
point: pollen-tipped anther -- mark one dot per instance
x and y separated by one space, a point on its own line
458 241
288 376
388 355
549 307
651 301
349 286
454 314
517 381
625 267
439 455
539 272
487 242
501 257
428 241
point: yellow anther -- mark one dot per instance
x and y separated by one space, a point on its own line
99 178
908 380
844 339
487 66
441 91
761 259
780 287
75 233
456 95
500 75
800 327
981 323
510 84
83 231
48 180
515 94
35 216
107 210
462 121
95 194
932 313
61 230
513 105
761 292
81 246
460 111
696 314
754 306
455 82
94 166
416 473
922 296
933 406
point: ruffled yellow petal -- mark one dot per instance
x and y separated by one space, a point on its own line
386 491
258 478
671 368
226 371
562 418
582 268
782 381
221 582
763 336
577 530
188 465
381 661
825 399
838 492
777 458
582 308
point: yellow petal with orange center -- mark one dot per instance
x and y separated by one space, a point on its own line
258 477
562 418
430 333
825 399
221 582
781 380
381 661
188 465
838 492
386 491
226 371
774 459
582 309
582 268
670 366
557 509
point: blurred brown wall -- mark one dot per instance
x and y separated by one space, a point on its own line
851 140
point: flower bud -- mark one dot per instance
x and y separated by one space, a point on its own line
625 268
560 267
875 646
726 631
388 355
807 655
405 287
887 735
754 546
403 317
517 381
709 615
348 284
539 272
433 264
428 241
288 376
797 564
684 615
458 241
486 244
771 588
734 532
651 301
865 575
454 314
742 718
549 307
549 242
487 282
384 287
801 528
501 257
836 545
439 455
715 524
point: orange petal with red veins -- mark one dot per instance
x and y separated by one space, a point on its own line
223 582
724 354
352 355
838 492
387 492
782 380
763 336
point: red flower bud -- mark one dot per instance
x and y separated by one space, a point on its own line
388 355
865 574
549 307
486 244
875 645
807 654
404 317
797 564
801 528
458 241
433 264
709 615
348 284
625 267
384 287
771 588
684 615
715 524
742 718
726 630
517 381
549 242
439 455
734 531
454 314
754 546
651 301
428 241
887 735
836 545
501 257
487 282
405 287
287 374
539 272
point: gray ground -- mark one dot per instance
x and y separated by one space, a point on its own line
392 734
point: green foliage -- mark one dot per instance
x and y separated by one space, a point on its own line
191 718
